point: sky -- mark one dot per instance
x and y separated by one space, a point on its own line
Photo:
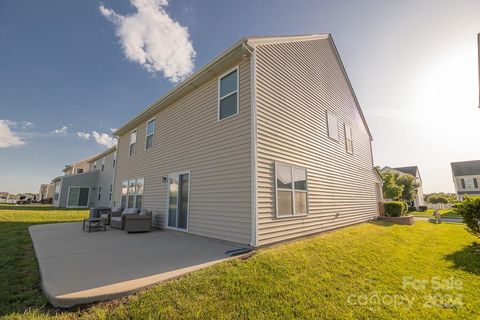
72 71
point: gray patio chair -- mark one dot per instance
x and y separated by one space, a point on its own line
139 222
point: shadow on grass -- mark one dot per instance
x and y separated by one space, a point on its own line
382 223
467 259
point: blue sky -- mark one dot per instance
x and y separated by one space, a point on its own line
413 66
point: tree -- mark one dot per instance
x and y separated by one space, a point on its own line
391 189
437 198
410 186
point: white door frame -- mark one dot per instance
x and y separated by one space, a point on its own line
177 174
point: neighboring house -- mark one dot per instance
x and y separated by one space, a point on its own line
466 178
413 171
265 143
46 192
90 186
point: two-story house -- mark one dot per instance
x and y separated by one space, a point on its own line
87 183
466 178
265 143
413 171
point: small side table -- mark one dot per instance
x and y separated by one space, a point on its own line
94 224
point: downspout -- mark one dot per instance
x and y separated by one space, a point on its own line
254 193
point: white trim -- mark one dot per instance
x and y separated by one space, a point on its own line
328 126
345 126
130 142
292 166
237 91
68 197
153 134
254 165
177 174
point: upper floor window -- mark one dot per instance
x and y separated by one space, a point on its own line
79 170
348 139
114 159
228 95
291 188
94 165
332 122
475 183
103 164
150 132
133 142
99 193
462 181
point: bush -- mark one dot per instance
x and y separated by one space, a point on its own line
405 208
410 209
394 209
422 208
469 209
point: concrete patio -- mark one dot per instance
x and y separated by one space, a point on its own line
78 267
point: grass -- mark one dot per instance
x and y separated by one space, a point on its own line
444 213
19 278
353 273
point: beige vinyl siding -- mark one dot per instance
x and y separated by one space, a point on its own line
297 82
188 137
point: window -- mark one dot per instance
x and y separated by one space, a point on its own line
78 197
291 188
475 183
463 183
103 164
348 139
94 165
133 142
114 159
124 194
111 190
79 170
57 192
332 123
99 193
150 132
132 193
228 95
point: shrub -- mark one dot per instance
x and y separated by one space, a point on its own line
405 208
394 209
410 209
469 209
422 208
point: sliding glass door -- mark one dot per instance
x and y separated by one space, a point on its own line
78 197
178 192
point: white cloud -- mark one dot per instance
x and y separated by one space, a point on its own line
83 135
25 125
62 130
104 139
7 137
152 39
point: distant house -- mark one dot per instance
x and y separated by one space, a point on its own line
87 183
466 178
46 192
265 143
413 171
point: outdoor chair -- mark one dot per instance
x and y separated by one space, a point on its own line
141 222
118 217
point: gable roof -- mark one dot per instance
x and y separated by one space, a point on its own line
239 50
466 168
410 170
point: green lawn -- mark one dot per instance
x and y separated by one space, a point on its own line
353 273
444 213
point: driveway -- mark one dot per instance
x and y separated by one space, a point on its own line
78 267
